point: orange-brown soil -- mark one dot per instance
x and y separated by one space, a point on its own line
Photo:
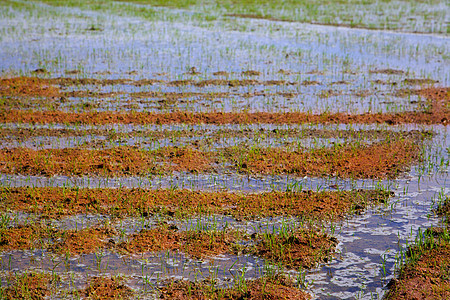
87 240
419 81
384 159
116 161
426 278
150 240
221 73
202 244
265 288
186 159
251 73
22 237
29 286
435 94
102 118
39 87
300 249
84 241
197 244
54 202
100 288
27 86
379 160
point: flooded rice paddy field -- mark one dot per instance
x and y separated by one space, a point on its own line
155 152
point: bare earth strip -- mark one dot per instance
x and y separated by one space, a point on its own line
102 118
385 159
57 202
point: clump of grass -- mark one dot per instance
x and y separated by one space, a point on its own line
444 209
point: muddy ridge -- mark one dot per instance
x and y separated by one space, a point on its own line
57 202
437 116
385 159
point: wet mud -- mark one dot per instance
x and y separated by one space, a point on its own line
57 202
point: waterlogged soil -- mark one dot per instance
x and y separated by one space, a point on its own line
426 275
436 115
201 137
217 133
271 287
385 159
204 138
427 105
41 285
116 161
57 202
169 69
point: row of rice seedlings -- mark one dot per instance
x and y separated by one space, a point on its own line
434 116
330 13
57 202
35 285
385 159
163 101
255 133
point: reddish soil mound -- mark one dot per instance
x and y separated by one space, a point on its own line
100 288
268 288
27 86
56 202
